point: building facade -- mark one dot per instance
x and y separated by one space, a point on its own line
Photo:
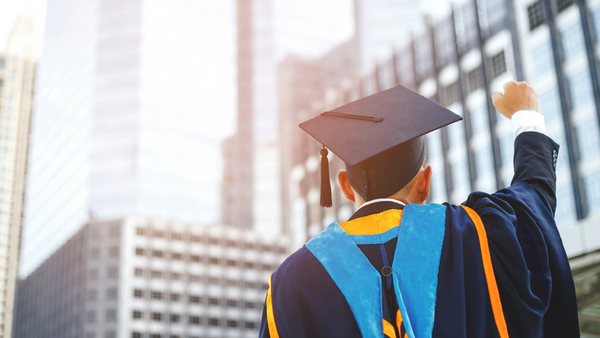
459 61
237 184
144 278
133 99
17 75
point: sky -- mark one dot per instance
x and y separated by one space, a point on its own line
10 10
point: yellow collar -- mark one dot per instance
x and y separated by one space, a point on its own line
373 224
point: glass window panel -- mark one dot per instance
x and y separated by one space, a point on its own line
535 12
507 149
550 105
572 40
456 135
484 163
460 173
580 88
565 205
596 18
588 138
543 58
479 120
592 191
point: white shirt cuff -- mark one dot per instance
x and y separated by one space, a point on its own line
528 120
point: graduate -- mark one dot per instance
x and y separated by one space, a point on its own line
494 266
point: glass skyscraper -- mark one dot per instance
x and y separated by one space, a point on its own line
132 101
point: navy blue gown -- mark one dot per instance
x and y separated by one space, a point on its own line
336 285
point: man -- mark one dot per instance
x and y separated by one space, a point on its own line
494 266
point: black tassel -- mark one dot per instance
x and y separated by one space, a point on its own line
325 185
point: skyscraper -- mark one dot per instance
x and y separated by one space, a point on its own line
132 101
17 74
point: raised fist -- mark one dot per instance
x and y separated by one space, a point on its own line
517 96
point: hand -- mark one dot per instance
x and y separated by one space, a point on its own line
517 96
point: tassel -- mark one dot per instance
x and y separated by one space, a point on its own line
325 185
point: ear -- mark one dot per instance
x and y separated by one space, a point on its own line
345 185
424 183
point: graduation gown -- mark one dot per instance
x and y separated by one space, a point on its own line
494 266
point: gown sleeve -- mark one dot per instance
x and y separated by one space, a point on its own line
529 261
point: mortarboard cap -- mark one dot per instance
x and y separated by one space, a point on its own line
380 138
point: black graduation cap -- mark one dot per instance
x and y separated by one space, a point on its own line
380 138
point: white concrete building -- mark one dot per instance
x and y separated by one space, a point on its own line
143 278
17 75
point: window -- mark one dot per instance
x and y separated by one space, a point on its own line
114 251
561 5
249 265
139 251
156 274
449 94
91 316
93 274
195 320
176 256
158 234
140 231
231 262
498 64
195 258
479 120
157 253
484 163
155 335
592 191
114 231
95 253
213 321
572 41
195 299
113 272
176 236
543 58
213 260
137 314
136 335
137 293
248 246
175 276
213 280
588 138
175 318
156 316
214 241
565 205
111 293
156 295
474 80
536 15
550 105
230 243
507 149
250 325
195 238
596 19
92 295
213 301
111 315
194 278
231 282
249 305
232 303
138 272
175 297
232 323
580 88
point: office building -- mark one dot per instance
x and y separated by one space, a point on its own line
459 61
146 278
133 99
17 75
